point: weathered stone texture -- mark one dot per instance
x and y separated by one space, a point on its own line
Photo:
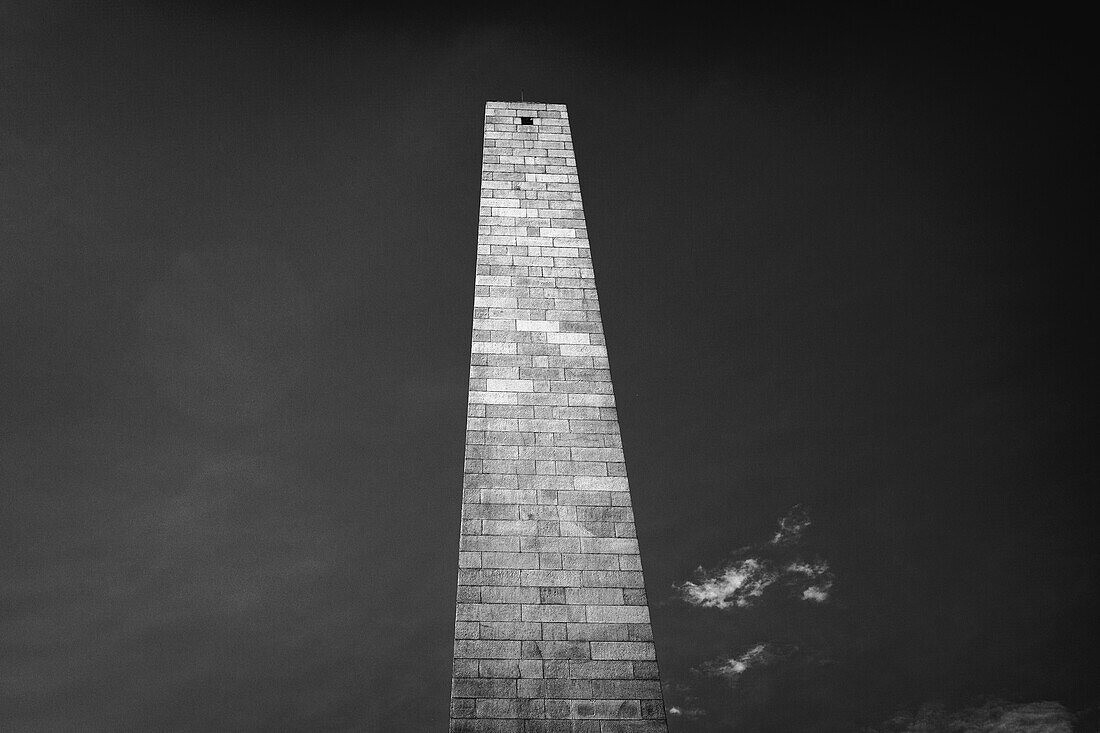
552 629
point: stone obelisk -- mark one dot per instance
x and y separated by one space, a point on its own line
552 630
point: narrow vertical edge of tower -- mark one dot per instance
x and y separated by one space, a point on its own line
552 627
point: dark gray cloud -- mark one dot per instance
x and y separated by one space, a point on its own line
992 716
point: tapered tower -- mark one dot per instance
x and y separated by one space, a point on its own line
552 630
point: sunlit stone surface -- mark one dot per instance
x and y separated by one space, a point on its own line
552 631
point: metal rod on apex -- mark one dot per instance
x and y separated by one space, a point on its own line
552 630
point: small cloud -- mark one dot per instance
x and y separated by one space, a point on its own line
740 665
737 584
791 526
818 575
757 656
810 570
687 713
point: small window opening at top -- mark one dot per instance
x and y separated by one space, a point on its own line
526 120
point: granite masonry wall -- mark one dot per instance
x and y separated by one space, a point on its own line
552 631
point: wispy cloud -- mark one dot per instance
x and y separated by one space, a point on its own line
733 668
735 585
742 580
687 712
992 716
819 577
791 526
817 593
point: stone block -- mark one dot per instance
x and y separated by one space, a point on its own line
632 650
477 649
509 630
557 650
552 613
484 687
617 614
601 670
588 631
503 668
594 596
509 594
464 668
513 560
487 612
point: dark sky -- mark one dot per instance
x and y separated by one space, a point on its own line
842 265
